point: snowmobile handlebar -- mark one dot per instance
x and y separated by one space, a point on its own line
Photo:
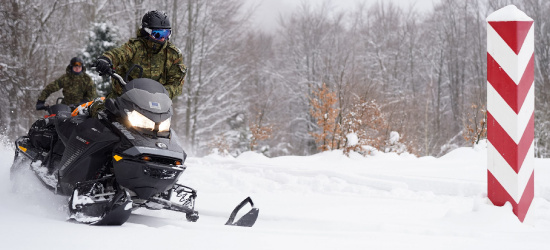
124 80
119 78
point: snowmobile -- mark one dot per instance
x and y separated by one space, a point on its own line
125 159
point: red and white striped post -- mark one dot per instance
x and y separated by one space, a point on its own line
510 109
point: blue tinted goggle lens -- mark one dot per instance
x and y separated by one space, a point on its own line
160 34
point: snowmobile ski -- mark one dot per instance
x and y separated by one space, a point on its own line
246 220
92 204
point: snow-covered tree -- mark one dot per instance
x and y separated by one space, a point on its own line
394 144
368 125
102 37
324 110
213 44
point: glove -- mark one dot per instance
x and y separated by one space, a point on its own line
104 66
40 105
95 107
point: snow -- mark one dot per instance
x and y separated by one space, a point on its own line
394 137
508 13
352 139
323 201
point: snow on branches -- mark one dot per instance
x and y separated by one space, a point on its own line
363 128
367 121
219 145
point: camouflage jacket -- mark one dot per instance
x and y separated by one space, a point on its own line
76 88
162 63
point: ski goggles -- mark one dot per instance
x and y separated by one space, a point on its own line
159 34
77 64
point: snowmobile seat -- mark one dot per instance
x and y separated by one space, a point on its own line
60 110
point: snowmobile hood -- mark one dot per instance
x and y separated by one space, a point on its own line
148 95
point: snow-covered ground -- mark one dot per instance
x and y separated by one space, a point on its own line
324 201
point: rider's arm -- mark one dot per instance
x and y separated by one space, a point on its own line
50 88
175 76
122 54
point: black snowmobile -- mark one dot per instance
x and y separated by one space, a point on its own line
127 158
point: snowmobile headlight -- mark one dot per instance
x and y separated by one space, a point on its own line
165 125
138 120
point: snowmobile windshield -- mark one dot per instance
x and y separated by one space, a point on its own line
147 106
148 95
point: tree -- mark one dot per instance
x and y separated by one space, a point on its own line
313 49
539 10
213 46
475 128
259 131
364 126
324 111
28 42
102 37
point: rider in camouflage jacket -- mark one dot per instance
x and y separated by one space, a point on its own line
77 86
160 59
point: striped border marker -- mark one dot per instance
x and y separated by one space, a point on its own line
510 109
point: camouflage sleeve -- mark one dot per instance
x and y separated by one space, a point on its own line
175 77
50 88
121 54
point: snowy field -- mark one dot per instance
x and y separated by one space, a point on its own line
324 201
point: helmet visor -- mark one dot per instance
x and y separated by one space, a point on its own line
159 34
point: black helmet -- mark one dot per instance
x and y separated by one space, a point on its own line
76 61
155 20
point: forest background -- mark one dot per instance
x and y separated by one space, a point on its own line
374 77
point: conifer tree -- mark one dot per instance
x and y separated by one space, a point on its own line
102 37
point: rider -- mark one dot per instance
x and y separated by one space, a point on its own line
161 60
77 86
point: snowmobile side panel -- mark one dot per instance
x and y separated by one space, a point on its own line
87 151
65 127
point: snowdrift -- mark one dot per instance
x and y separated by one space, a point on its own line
324 201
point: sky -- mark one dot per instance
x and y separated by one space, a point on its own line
268 10
326 201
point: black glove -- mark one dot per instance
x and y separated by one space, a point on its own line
104 66
40 105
